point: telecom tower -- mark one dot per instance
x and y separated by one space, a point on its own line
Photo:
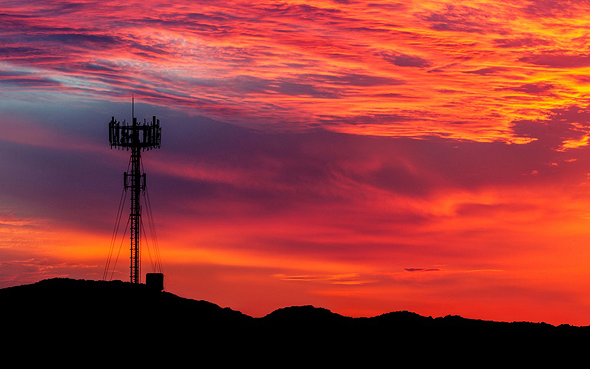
137 138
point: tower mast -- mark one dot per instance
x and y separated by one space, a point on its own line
137 138
133 181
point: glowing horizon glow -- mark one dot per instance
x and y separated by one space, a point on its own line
365 157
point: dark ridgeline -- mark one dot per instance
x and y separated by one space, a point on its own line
91 314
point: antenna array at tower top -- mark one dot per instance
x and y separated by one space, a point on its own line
144 136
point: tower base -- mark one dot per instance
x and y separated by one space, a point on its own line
155 281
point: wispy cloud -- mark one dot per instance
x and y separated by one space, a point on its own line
298 63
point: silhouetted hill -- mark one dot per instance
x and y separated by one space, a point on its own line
81 313
68 302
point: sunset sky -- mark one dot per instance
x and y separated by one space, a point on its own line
361 156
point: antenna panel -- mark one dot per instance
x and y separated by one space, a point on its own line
145 136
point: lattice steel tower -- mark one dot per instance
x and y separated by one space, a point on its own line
137 138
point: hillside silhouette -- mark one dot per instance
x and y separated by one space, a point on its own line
90 313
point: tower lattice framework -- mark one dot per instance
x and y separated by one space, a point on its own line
137 138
